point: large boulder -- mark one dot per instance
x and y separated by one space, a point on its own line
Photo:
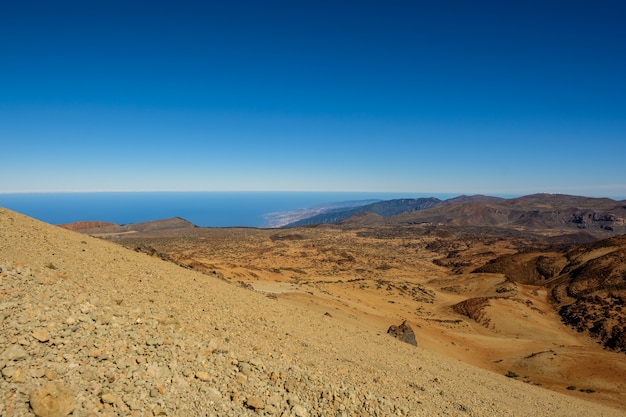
403 332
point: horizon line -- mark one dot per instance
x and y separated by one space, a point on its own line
223 191
455 194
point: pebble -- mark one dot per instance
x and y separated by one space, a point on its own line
41 334
15 353
255 402
203 376
299 411
108 398
213 395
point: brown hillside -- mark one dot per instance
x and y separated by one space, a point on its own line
545 213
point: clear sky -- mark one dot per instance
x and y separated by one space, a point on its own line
498 97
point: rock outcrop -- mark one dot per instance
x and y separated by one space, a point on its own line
403 332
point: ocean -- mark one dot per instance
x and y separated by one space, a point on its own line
206 209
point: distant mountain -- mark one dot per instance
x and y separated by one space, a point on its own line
472 199
601 217
382 208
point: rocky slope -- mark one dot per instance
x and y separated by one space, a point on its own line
90 328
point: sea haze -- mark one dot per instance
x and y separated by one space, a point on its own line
207 209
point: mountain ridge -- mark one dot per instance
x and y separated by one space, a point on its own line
383 208
601 217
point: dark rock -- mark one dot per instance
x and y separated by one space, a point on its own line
403 332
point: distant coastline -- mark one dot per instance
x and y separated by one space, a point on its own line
205 209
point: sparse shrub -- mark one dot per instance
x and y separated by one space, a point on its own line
587 390
511 374
51 265
571 388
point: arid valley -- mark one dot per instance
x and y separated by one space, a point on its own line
487 295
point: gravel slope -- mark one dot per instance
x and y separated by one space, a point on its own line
88 328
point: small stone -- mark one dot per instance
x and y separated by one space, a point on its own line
290 385
245 369
213 395
8 372
134 405
108 398
15 353
94 353
52 400
275 400
51 374
104 319
180 383
154 371
255 403
19 376
159 411
299 411
202 375
86 308
41 334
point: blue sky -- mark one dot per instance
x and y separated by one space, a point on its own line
502 97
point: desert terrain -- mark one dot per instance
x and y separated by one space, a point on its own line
484 295
172 319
